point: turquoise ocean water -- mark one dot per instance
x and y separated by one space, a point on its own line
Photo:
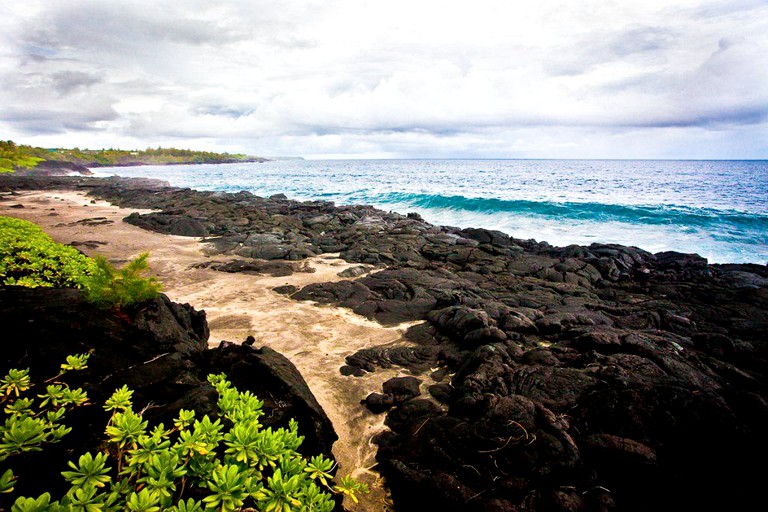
718 209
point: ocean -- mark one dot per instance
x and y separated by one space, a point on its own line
718 209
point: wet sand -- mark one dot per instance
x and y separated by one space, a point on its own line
315 338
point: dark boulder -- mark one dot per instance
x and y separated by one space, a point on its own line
442 392
413 358
286 289
181 225
255 267
378 403
274 379
402 388
671 260
352 272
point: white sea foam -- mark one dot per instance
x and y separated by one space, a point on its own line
715 208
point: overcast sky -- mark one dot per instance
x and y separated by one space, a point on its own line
390 78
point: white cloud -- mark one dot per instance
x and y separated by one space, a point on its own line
491 78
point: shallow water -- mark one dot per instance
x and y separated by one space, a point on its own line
718 209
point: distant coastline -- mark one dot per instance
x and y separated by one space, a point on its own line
137 163
62 168
61 161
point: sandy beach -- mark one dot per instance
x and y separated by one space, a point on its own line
315 338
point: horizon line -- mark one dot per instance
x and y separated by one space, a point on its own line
762 159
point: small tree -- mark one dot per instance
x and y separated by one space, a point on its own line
112 288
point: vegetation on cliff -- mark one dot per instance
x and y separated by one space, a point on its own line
14 157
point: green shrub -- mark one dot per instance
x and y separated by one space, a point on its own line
29 257
110 287
225 464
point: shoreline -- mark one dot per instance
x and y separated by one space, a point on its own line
67 168
315 339
584 241
722 231
581 375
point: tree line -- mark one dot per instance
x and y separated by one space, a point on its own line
14 156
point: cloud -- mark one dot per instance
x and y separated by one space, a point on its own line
48 120
66 82
111 28
546 78
641 45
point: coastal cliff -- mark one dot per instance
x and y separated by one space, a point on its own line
542 378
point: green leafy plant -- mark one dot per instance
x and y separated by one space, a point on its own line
319 468
230 487
120 400
187 506
15 382
26 425
40 504
225 464
7 482
90 471
29 257
76 363
143 501
350 487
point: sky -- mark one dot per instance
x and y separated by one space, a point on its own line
390 79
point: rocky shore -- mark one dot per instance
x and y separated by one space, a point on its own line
568 379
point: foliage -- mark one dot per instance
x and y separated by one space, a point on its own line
108 286
224 464
27 424
29 257
107 157
14 157
350 487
